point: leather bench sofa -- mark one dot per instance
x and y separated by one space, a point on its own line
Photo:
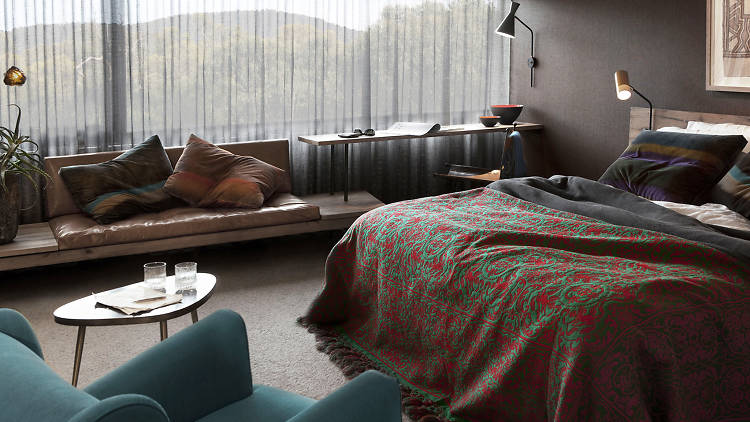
71 236
75 230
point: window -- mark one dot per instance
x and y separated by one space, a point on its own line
104 75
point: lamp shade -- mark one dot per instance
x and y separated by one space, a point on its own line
14 77
622 84
507 27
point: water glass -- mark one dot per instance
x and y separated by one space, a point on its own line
155 275
185 275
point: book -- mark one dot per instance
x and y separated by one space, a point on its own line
411 129
135 299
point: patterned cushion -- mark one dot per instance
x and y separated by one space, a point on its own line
208 176
734 189
674 167
128 185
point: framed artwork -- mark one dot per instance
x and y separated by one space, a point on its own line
728 45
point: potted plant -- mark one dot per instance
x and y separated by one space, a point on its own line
19 159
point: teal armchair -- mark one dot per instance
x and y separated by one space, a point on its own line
201 374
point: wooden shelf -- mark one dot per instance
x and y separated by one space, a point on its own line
380 136
31 239
334 207
35 244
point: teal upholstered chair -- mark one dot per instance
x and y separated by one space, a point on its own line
201 373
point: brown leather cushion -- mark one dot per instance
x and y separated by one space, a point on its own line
77 231
208 176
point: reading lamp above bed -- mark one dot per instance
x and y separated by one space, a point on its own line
625 91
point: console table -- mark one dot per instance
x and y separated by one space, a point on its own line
332 139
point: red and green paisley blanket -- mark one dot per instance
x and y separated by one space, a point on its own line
488 308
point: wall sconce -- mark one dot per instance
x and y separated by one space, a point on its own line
14 77
625 91
508 29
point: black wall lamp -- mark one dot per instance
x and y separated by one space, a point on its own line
508 29
625 91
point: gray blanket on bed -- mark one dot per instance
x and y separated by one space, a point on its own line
592 199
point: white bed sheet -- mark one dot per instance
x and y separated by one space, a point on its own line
714 214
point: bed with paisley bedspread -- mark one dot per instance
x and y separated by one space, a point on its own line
542 299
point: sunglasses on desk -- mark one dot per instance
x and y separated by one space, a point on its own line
356 133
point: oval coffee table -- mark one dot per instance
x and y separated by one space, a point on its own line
84 312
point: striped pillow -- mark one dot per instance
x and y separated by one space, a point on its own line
208 176
125 186
674 167
734 189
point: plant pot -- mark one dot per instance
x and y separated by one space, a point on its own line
9 211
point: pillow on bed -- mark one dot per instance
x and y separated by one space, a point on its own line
674 167
208 176
719 129
734 189
713 129
122 187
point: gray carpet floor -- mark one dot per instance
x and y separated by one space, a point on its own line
269 282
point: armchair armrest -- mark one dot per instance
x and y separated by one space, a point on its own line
123 408
15 325
198 370
371 396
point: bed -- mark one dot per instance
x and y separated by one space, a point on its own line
543 299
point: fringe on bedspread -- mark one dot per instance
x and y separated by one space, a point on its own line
353 363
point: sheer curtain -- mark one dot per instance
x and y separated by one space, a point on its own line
104 75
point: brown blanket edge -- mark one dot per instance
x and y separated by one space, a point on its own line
352 363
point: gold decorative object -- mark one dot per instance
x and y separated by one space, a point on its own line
14 77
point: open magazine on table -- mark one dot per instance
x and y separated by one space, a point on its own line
411 129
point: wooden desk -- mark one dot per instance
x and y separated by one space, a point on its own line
332 139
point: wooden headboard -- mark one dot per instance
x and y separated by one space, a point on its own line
664 118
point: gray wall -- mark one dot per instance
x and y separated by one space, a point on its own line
579 46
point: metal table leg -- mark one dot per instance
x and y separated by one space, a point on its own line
163 330
78 354
346 172
331 182
194 315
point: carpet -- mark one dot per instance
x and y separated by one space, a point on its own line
269 282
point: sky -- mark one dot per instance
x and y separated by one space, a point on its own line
355 14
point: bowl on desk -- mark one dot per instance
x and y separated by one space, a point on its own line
489 121
508 113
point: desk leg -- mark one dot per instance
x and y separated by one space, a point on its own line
331 181
346 172
194 315
78 354
163 330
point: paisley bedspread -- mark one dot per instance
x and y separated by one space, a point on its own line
491 308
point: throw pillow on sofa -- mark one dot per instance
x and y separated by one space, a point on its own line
132 183
208 176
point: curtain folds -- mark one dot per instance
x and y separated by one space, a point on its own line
106 74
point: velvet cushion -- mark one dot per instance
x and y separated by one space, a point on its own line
127 185
734 189
31 391
208 176
266 404
674 167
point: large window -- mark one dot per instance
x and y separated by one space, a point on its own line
103 75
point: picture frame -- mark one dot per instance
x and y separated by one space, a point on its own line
727 59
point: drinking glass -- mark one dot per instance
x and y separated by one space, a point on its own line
185 275
155 275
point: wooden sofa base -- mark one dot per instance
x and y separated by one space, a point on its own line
335 215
